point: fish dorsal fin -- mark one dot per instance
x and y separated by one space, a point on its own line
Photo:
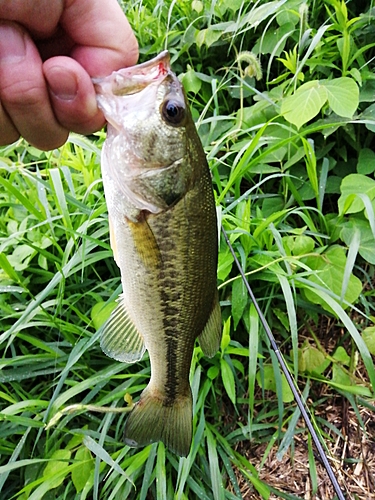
120 338
209 339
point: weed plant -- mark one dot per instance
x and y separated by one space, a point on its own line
283 94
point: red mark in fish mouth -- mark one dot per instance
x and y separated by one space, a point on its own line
158 71
131 80
162 70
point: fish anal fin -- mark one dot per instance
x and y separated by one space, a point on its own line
120 338
210 338
151 420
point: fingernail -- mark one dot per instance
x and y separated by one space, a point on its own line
12 43
62 83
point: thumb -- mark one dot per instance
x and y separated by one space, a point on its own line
72 95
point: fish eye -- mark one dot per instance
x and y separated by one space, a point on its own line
173 112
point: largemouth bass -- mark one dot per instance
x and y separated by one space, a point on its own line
163 233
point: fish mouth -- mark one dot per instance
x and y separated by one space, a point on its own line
132 80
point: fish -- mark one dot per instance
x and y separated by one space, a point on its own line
164 237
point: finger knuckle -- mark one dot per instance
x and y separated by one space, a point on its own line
22 94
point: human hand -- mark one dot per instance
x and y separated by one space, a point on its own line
49 50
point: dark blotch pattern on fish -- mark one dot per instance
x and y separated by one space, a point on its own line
170 298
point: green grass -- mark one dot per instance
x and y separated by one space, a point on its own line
295 192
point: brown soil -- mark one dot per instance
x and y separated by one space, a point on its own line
351 446
354 462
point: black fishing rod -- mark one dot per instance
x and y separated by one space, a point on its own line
292 384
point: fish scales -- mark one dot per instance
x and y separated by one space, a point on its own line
163 232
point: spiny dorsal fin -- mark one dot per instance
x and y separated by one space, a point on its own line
120 338
209 339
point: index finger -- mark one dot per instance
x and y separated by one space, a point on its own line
104 40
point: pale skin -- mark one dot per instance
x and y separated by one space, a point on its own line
49 51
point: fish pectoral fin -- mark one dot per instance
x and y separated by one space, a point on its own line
120 338
210 338
145 243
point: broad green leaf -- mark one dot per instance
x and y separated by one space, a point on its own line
366 161
58 462
329 270
310 359
191 82
81 474
288 16
197 5
21 256
339 376
75 441
343 95
304 104
250 116
207 36
269 384
213 372
101 312
368 336
342 356
225 263
225 338
299 245
355 184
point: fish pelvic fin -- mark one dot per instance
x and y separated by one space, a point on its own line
120 338
152 420
210 338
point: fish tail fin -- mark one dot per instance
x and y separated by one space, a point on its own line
152 420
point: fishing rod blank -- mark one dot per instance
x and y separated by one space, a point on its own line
293 386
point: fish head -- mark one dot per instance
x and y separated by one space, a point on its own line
146 109
150 133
